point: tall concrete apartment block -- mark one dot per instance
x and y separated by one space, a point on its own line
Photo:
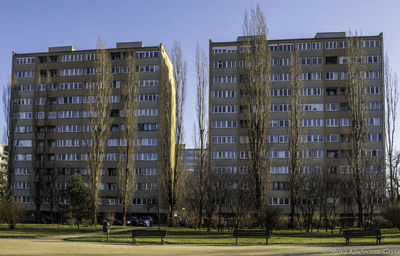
62 112
322 60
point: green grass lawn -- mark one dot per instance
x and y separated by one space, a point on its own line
45 230
292 237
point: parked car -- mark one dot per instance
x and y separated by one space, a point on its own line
145 221
131 221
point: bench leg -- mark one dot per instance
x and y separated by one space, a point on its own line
236 240
162 240
347 241
266 241
133 240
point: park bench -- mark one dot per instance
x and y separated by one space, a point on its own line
362 233
251 233
148 233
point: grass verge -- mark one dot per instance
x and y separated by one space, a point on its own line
290 237
46 230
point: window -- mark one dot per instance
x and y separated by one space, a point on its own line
330 45
148 83
375 136
331 76
313 154
147 54
69 114
316 76
224 64
224 109
312 138
332 138
279 169
332 122
332 107
317 60
23 143
373 74
278 154
373 59
312 123
24 74
304 46
375 105
223 155
375 121
224 79
148 127
280 185
147 112
149 68
372 43
223 139
146 171
24 115
113 143
114 99
23 129
281 92
223 94
316 45
28 60
23 157
312 107
69 128
71 72
146 142
311 92
345 122
223 124
374 90
148 97
376 152
305 61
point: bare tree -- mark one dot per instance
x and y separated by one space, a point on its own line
357 101
391 96
202 125
40 143
308 198
257 103
100 121
328 198
126 175
180 96
10 111
296 146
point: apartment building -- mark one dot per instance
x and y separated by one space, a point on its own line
191 158
51 90
325 121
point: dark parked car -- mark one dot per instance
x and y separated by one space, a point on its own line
145 221
131 221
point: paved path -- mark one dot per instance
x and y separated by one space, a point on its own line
57 246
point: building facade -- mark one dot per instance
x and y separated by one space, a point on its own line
52 90
325 122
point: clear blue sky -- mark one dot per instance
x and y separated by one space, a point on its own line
32 26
